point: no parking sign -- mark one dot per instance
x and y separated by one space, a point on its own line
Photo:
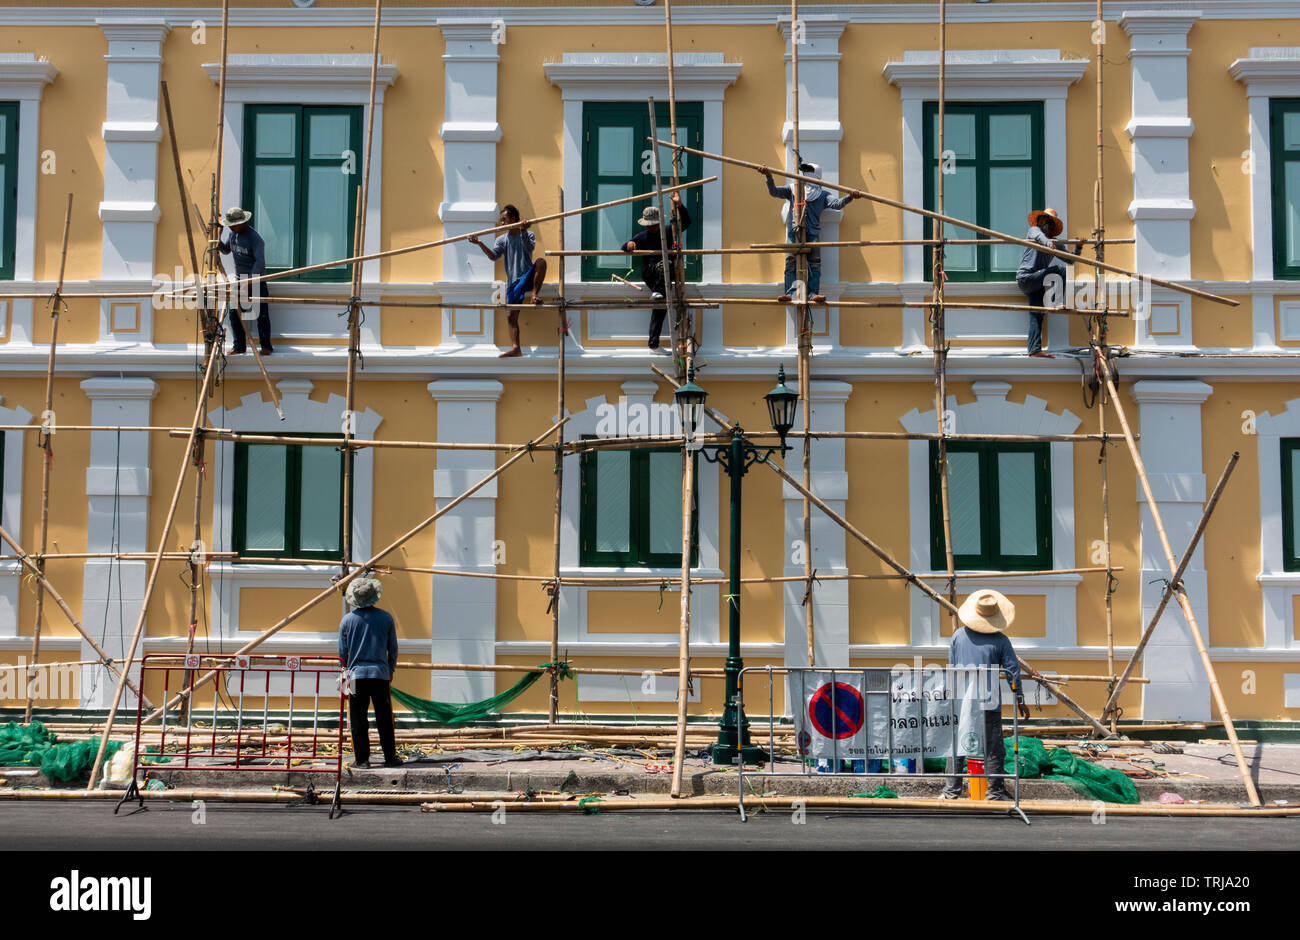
833 719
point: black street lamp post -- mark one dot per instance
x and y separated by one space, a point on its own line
736 457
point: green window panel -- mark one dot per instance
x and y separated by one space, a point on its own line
302 174
631 509
996 180
1290 503
1000 504
1284 137
8 186
288 501
617 162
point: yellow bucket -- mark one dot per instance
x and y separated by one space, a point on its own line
979 785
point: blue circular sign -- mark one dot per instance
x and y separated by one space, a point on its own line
847 716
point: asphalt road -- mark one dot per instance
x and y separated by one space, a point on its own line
170 827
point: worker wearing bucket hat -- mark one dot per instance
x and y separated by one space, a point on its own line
1041 277
249 254
368 645
981 640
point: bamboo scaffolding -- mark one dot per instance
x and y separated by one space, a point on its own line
372 561
1186 606
971 226
553 693
47 452
67 611
891 243
939 337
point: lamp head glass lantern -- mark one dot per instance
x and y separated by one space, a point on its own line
781 404
690 404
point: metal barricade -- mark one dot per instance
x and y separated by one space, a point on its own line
225 733
882 716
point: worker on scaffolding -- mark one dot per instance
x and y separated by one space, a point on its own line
1041 277
523 274
981 640
368 646
816 200
652 267
249 253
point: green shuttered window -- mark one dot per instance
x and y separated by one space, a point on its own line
302 171
1290 503
8 186
1001 507
996 180
631 510
288 501
616 162
1284 138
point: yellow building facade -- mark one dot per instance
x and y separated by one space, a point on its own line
478 106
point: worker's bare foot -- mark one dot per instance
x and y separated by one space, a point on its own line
1041 355
784 298
817 299
511 353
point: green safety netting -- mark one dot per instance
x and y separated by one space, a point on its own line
1100 783
447 713
34 746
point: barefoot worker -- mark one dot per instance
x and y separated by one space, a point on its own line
523 274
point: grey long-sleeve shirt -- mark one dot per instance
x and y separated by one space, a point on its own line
1034 260
970 648
816 201
368 643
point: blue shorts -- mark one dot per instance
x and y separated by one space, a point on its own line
516 291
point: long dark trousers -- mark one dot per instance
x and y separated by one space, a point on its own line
995 756
365 691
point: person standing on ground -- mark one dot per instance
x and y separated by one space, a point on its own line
981 640
249 251
816 200
523 274
652 267
1041 274
368 645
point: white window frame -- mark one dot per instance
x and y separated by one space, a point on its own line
1278 586
11 517
302 415
991 413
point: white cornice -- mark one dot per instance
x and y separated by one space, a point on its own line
466 390
1155 22
261 70
120 387
1150 391
1269 70
919 70
580 74
22 75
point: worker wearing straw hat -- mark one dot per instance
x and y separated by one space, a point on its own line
981 640
1042 276
368 645
249 254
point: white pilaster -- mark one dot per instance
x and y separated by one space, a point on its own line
117 494
1162 207
465 609
11 512
1169 414
469 133
830 481
129 211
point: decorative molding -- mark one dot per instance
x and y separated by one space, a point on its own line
918 71
595 76
1155 392
1278 586
246 73
23 75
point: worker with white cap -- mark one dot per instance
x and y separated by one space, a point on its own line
981 640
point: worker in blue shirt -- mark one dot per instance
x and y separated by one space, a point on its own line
368 646
1041 277
981 640
816 200
249 252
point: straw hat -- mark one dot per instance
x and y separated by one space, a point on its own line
236 216
363 592
1048 221
649 216
987 612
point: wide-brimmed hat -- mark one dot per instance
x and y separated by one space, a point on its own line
987 612
1048 221
236 216
363 592
649 216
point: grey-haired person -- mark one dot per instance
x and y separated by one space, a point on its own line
368 646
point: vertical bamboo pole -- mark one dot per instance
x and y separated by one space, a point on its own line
940 333
1181 595
354 305
684 637
180 178
683 328
221 98
562 315
47 452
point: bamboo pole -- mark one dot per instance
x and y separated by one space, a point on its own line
1186 606
971 226
925 589
66 610
553 696
357 569
683 326
180 178
221 98
47 452
684 637
890 243
199 404
939 337
1175 586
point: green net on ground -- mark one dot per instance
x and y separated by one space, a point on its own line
447 713
35 746
1100 783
